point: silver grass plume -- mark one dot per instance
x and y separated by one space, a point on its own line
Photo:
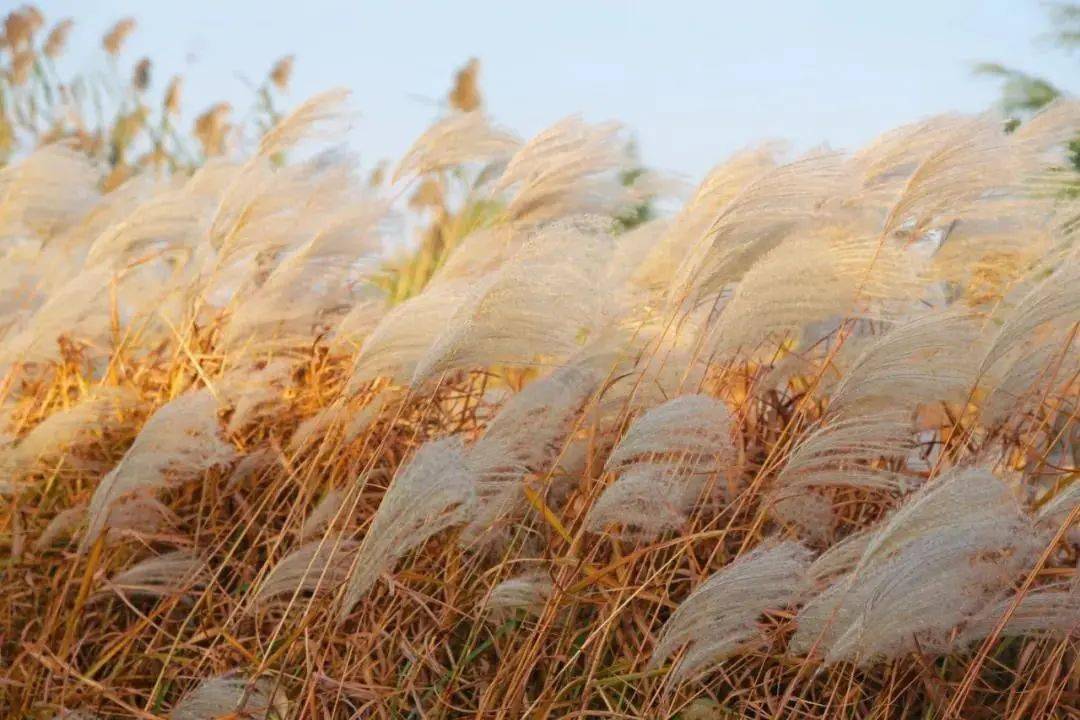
77 309
1051 610
63 524
1057 508
984 254
688 230
404 335
482 252
232 696
372 411
369 307
320 116
139 514
528 592
46 192
434 491
175 573
722 614
100 410
689 429
167 223
663 462
323 514
455 140
846 451
262 210
954 547
838 559
755 220
1035 342
180 440
1055 298
319 423
564 170
320 566
970 161
885 163
653 364
525 437
646 500
310 287
253 462
826 274
914 362
254 393
538 304
633 247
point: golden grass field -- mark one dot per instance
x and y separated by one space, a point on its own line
487 434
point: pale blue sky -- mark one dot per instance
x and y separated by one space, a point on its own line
693 81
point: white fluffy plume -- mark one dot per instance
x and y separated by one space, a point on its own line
231 696
538 304
565 170
756 219
663 463
174 573
456 139
320 566
99 410
404 335
954 547
179 441
722 614
915 362
826 274
528 592
434 491
525 437
46 192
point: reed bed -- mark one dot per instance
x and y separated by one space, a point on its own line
482 439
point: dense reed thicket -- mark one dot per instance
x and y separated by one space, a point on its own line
805 448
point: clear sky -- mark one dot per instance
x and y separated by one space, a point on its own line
693 81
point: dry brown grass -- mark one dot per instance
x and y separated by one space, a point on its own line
420 644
